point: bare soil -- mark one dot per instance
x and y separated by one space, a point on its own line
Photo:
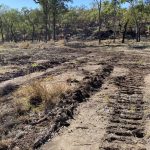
107 107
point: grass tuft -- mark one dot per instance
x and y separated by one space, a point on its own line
4 144
25 45
39 94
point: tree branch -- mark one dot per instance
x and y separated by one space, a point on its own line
36 1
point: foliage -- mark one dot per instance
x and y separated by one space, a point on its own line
54 19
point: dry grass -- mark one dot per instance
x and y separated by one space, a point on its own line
4 144
39 94
5 69
76 44
24 45
61 43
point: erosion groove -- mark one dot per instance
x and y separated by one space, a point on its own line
65 108
125 130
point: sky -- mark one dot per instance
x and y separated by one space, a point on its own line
30 3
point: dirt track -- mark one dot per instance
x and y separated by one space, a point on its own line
125 129
107 110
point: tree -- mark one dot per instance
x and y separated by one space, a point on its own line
125 17
137 8
69 21
115 3
104 19
54 7
57 7
1 29
32 18
99 4
46 8
11 20
3 10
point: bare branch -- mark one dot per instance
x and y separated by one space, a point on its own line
36 1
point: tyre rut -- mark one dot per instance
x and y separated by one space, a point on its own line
65 109
125 130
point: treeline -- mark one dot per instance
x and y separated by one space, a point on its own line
54 20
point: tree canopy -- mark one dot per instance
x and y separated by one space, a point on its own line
55 20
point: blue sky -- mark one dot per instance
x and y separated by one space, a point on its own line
30 3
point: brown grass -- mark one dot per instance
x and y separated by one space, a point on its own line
24 45
39 94
4 144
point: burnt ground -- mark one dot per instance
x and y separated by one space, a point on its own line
107 108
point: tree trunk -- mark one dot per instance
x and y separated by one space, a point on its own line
12 33
114 23
124 32
13 37
100 23
46 19
46 29
24 35
54 25
49 33
99 4
2 34
1 30
136 32
139 34
33 33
